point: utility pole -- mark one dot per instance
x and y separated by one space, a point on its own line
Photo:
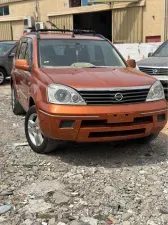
36 9
165 19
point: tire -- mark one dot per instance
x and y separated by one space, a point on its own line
37 141
2 76
146 140
16 106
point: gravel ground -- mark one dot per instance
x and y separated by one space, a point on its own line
92 184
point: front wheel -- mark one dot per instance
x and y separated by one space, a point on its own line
37 141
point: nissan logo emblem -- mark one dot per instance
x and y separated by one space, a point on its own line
155 71
118 97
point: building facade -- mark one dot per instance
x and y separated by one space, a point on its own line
135 21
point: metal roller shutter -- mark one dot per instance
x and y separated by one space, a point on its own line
5 31
64 21
127 25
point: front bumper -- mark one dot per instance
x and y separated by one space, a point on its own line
102 123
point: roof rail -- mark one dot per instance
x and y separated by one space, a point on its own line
74 32
97 35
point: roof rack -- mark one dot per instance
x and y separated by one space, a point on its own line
74 32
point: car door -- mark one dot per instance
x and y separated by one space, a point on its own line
19 74
10 59
26 75
15 71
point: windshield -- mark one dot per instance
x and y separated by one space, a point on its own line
78 53
4 48
162 51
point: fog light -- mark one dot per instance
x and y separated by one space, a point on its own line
67 123
161 118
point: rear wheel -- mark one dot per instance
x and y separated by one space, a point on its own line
16 106
37 141
146 140
2 76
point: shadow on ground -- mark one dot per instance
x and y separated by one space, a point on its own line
111 155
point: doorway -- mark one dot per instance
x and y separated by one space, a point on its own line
100 22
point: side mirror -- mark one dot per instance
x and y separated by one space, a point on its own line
150 54
131 63
12 55
22 64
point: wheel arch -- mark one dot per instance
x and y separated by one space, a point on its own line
3 68
31 101
11 81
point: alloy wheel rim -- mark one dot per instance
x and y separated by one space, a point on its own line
34 130
1 77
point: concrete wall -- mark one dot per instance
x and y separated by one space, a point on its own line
127 25
17 29
153 19
47 6
27 8
137 51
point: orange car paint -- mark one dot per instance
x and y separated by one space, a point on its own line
130 121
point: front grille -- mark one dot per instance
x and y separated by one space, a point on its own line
103 123
165 86
108 96
116 133
154 71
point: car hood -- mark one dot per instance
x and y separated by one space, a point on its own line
154 62
99 77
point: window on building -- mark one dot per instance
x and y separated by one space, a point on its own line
4 11
74 3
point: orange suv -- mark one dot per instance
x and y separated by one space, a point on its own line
76 87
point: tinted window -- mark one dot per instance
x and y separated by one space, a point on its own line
13 50
28 54
162 51
1 11
4 10
23 50
18 49
78 53
4 48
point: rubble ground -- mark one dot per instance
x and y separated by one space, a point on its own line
123 184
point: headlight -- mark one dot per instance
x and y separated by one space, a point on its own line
156 92
60 94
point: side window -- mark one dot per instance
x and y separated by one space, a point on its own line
23 50
18 49
13 50
28 53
